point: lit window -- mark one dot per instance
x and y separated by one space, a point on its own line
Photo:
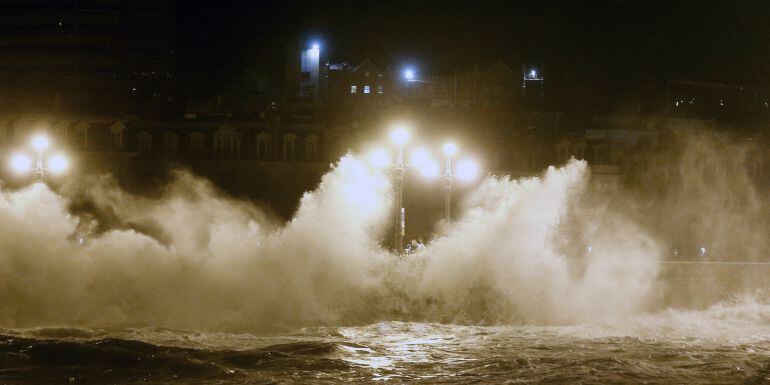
353 89
367 90
380 89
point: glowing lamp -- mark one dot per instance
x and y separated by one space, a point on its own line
40 143
58 163
467 170
409 74
450 149
21 163
424 162
316 46
399 136
419 156
429 169
379 158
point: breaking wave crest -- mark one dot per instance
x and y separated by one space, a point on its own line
193 258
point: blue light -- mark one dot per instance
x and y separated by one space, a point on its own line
409 74
316 46
533 73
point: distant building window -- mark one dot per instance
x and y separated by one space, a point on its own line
380 89
263 145
353 89
227 143
289 147
117 140
367 90
145 144
311 148
196 142
170 141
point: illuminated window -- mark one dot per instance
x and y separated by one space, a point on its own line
367 90
353 89
380 89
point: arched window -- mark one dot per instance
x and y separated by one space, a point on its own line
62 131
144 142
263 146
81 134
311 148
116 134
227 143
579 149
289 147
196 142
170 141
562 151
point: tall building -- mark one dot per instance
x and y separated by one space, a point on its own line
305 73
85 56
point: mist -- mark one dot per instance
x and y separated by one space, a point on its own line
543 250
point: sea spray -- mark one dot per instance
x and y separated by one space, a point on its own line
193 258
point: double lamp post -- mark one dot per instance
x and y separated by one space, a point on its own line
39 165
420 159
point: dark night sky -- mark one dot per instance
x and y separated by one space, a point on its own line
625 43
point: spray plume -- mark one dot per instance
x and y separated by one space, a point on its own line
193 258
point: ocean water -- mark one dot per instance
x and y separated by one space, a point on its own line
724 344
506 293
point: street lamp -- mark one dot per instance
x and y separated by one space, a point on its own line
466 170
22 163
379 158
399 136
409 74
421 159
450 149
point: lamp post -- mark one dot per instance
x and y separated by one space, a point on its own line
450 149
421 159
21 163
399 136
39 143
466 170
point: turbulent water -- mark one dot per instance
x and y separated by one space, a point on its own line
724 344
101 286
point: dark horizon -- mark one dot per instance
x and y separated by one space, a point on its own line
626 47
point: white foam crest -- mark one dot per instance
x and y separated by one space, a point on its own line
209 262
501 261
192 258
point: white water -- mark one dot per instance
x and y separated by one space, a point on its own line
207 262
